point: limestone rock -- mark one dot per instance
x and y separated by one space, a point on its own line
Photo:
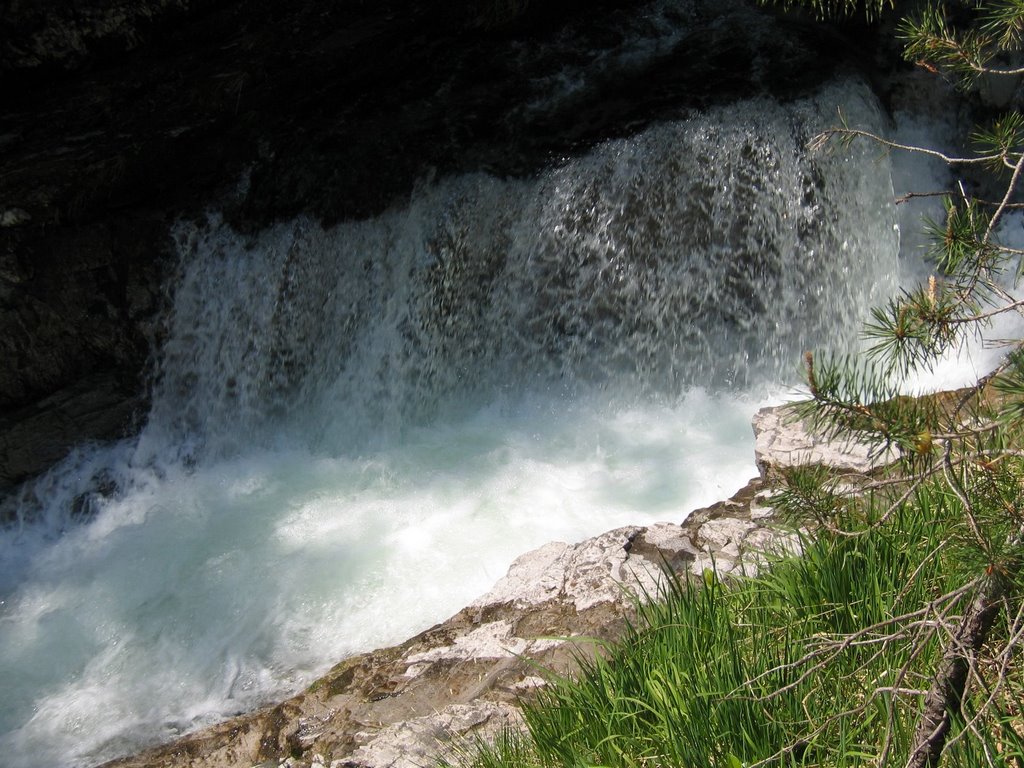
783 442
759 508
604 569
490 641
725 534
421 741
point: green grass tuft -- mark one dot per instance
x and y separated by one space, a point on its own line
815 662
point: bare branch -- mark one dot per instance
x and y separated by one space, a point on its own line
1010 189
821 139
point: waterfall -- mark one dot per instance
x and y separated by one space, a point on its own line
712 250
355 429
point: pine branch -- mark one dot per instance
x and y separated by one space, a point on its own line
908 196
819 141
1004 21
838 9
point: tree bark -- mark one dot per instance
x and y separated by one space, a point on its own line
947 689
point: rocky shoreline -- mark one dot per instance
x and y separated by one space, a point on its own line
406 706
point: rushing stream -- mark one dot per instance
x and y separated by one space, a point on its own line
355 430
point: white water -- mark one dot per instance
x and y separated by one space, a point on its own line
354 431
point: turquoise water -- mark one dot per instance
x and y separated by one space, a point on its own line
355 430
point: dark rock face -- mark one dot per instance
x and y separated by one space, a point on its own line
77 305
43 35
120 117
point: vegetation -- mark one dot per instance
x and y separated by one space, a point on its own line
831 9
810 664
896 638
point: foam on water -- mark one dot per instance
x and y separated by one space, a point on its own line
217 587
355 430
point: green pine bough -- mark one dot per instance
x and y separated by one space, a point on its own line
969 445
896 638
837 9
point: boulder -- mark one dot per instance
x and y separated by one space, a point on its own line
782 441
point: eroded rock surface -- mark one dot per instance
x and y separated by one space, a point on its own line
422 740
782 442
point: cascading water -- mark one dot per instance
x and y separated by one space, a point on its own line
355 430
